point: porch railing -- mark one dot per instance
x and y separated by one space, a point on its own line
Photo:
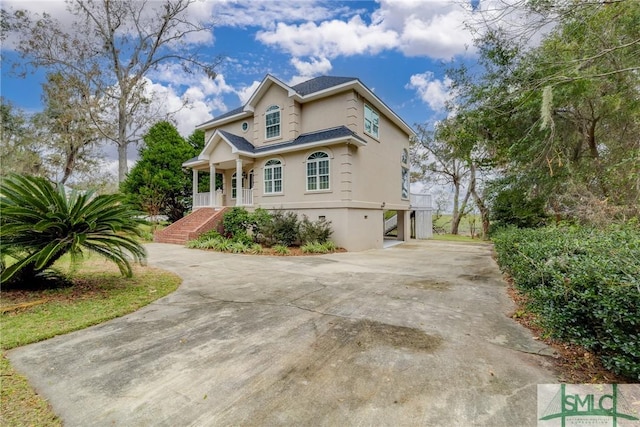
247 197
201 200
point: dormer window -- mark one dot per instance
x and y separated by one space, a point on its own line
272 122
371 121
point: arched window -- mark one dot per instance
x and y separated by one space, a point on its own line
318 171
273 176
272 122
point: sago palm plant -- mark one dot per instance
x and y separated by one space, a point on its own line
39 223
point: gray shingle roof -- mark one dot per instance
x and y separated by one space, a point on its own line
308 138
239 142
225 115
320 83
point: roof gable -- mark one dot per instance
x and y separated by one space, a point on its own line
313 89
262 89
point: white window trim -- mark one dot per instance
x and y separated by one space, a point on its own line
264 178
272 109
317 161
233 180
364 125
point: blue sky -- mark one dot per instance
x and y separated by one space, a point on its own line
398 48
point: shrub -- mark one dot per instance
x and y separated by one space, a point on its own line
255 248
281 250
40 223
238 247
585 285
235 222
515 206
314 231
318 248
243 238
283 229
259 220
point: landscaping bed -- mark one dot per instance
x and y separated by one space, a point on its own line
581 286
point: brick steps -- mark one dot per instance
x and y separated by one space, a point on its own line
190 227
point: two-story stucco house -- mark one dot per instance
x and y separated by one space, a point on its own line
327 147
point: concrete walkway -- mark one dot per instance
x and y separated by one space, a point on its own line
414 335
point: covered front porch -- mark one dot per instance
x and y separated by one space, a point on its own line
225 189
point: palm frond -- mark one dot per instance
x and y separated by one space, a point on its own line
40 222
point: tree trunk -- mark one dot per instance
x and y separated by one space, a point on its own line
455 217
482 207
123 168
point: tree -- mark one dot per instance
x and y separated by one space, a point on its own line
111 47
40 223
159 172
66 128
437 162
560 121
19 148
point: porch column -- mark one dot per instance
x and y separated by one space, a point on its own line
194 188
212 185
238 182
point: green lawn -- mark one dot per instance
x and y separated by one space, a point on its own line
99 294
469 223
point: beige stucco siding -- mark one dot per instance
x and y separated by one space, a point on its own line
377 168
294 181
276 95
353 229
325 113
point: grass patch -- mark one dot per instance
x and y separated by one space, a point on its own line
21 406
98 294
470 223
148 228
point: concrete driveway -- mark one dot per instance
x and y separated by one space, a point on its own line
414 335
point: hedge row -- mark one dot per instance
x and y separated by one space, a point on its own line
584 283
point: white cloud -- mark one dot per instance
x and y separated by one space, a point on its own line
188 110
245 92
433 92
427 28
434 29
265 14
330 39
309 69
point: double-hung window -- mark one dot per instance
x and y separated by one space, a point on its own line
272 121
318 171
273 177
371 121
